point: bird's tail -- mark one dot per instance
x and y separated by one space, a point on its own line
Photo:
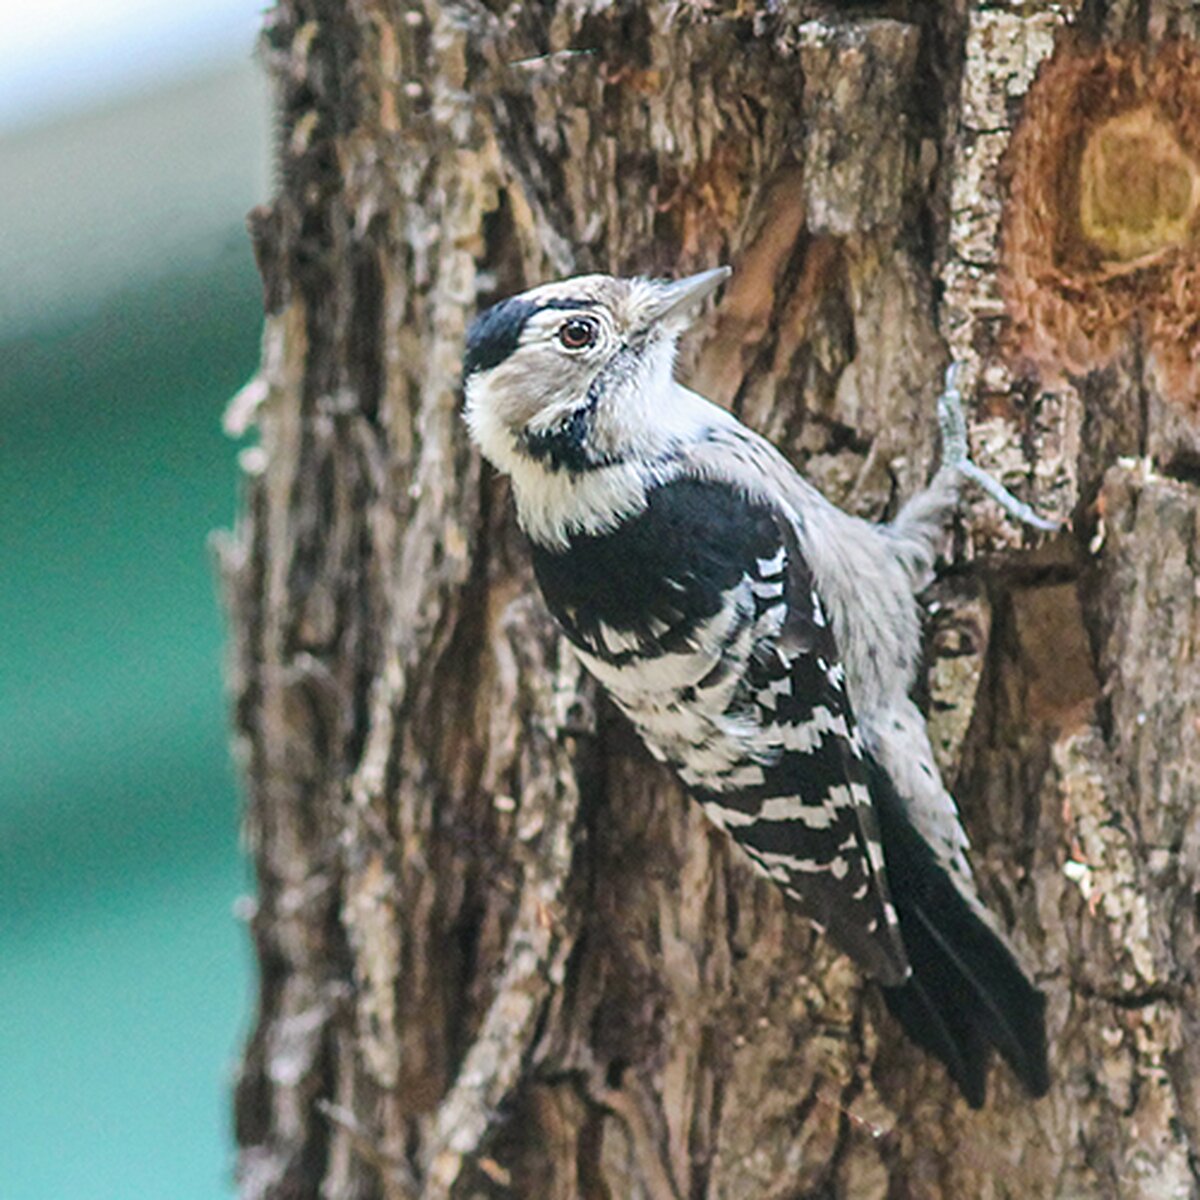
967 993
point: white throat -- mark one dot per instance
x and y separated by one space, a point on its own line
554 504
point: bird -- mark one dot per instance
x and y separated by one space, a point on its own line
762 642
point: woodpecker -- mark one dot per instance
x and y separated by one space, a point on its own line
763 642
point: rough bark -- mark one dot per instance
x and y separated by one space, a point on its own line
500 953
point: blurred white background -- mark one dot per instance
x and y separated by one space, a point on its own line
133 133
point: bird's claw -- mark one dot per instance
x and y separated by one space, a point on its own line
955 455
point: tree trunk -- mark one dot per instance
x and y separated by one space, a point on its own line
500 953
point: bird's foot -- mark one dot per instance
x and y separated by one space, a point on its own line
956 456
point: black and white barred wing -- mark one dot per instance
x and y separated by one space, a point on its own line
807 821
700 617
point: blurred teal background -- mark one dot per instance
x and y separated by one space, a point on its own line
129 314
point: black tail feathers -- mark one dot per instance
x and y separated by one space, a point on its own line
967 993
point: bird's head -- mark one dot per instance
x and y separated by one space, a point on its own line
578 375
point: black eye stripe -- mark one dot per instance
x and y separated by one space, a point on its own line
496 332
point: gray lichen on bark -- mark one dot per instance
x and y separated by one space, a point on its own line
500 954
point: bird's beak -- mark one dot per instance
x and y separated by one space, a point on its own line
677 300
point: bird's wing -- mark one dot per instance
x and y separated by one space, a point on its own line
809 824
951 980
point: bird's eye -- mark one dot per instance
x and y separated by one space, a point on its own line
578 333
